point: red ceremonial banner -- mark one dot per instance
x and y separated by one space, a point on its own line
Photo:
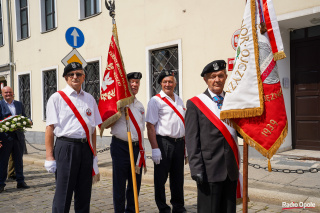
115 92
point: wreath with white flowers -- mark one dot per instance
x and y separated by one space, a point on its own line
15 122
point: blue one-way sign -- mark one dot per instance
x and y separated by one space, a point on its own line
74 37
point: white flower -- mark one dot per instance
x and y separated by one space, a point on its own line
19 118
1 130
18 124
22 116
13 126
15 119
4 126
7 123
24 123
7 128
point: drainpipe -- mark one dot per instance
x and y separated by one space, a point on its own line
10 43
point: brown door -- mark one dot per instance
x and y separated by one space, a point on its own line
305 78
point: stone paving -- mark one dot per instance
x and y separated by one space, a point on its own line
39 197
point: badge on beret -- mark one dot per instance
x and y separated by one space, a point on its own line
88 111
215 66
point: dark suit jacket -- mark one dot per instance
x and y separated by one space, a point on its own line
208 151
5 112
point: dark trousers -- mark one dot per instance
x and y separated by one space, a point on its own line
14 146
172 163
217 197
11 172
121 173
74 174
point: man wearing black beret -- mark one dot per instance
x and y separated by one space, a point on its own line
121 167
165 125
74 153
211 159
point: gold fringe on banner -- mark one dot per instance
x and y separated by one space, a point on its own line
279 55
266 153
241 113
121 103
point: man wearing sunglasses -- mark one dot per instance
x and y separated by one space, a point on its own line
75 148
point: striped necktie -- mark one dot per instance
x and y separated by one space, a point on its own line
219 100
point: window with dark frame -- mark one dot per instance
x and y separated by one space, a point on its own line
50 14
49 87
90 7
24 18
24 93
163 59
1 30
92 81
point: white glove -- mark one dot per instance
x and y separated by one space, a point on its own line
50 166
156 155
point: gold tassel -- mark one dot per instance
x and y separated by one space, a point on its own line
138 170
96 178
269 166
279 55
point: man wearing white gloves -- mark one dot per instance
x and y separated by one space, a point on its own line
165 126
72 116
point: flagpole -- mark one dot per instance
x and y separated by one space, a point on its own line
245 177
133 170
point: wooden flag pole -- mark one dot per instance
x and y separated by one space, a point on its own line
245 178
133 170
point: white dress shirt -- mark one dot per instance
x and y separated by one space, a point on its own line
119 129
162 116
11 107
61 116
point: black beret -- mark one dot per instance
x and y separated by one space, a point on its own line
71 67
214 66
134 75
163 74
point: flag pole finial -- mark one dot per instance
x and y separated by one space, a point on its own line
111 7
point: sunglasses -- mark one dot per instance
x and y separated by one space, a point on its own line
76 73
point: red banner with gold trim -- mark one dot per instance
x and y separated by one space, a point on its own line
254 100
115 92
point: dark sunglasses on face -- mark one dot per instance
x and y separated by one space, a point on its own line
78 74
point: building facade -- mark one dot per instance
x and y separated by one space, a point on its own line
154 35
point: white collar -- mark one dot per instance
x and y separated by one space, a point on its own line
163 94
69 90
8 103
213 94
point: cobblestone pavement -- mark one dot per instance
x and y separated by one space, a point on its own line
39 197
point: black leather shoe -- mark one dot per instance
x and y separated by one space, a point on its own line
1 189
22 185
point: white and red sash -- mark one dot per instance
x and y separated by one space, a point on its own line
141 160
84 123
211 111
180 116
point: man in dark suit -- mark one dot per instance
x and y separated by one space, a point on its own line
11 141
212 161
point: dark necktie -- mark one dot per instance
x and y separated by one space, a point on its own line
219 100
